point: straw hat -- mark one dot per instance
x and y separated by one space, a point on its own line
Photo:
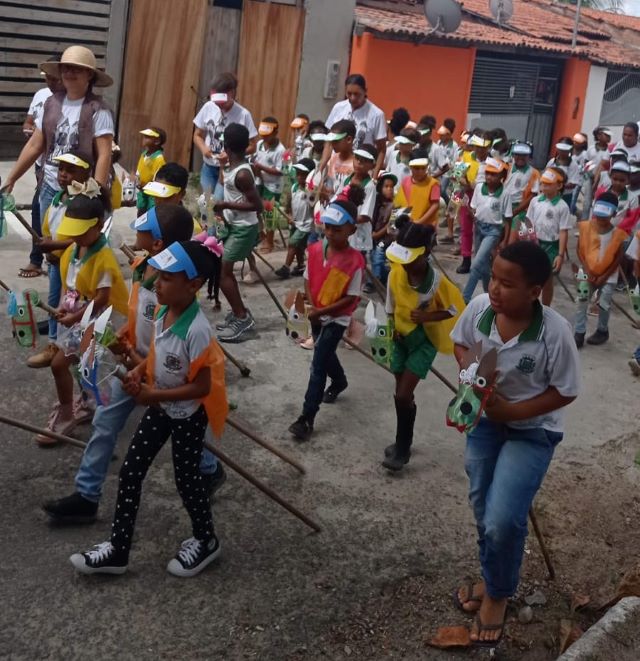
78 56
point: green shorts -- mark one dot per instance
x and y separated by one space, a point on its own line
413 352
298 238
516 220
552 248
239 241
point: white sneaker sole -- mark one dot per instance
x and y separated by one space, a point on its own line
238 335
176 569
78 561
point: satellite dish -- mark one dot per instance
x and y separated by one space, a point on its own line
443 15
502 10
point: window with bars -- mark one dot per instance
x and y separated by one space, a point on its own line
621 99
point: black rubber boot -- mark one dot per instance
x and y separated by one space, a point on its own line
465 267
400 452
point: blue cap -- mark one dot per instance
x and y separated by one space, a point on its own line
334 214
148 222
173 260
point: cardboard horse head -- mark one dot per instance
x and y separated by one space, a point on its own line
379 330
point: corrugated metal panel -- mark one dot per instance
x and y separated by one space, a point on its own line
621 99
503 86
32 32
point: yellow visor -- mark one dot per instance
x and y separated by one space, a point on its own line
75 226
418 163
299 123
72 160
266 128
150 132
156 189
402 255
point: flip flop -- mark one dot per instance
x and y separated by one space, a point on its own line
30 272
488 644
471 599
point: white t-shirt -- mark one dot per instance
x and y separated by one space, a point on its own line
543 355
362 238
213 122
233 194
397 167
66 135
271 158
548 217
490 208
371 125
35 111
633 251
437 158
301 210
573 171
633 153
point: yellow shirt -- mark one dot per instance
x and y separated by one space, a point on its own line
421 196
148 166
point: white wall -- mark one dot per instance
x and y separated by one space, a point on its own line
327 36
593 99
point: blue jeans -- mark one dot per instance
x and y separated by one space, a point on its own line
210 180
325 364
636 354
379 264
604 309
55 289
505 467
36 256
108 422
485 238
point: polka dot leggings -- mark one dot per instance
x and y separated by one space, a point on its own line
186 445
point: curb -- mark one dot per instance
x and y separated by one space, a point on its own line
614 636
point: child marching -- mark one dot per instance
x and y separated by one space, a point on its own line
333 281
424 305
182 384
150 161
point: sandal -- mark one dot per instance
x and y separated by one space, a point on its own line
469 600
32 271
488 644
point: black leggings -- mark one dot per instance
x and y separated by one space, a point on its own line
187 435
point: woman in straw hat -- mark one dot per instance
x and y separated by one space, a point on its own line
74 118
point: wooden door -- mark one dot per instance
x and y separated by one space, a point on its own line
161 75
269 61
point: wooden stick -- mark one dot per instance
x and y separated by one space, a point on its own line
268 491
128 252
244 370
254 436
219 453
25 224
262 259
379 287
285 214
564 286
41 304
438 263
270 292
45 432
543 546
284 243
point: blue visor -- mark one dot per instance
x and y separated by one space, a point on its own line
602 209
148 222
334 214
173 260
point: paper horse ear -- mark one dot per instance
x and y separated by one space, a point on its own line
476 383
582 285
23 323
526 231
298 327
379 330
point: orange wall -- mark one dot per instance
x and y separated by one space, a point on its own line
571 98
433 80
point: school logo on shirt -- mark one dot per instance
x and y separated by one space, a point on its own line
495 205
549 214
518 182
148 311
172 363
527 364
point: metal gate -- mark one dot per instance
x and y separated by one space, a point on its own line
518 96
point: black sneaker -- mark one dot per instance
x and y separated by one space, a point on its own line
465 267
332 392
396 460
297 270
101 559
368 288
599 337
72 509
213 481
579 339
283 272
194 556
302 428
